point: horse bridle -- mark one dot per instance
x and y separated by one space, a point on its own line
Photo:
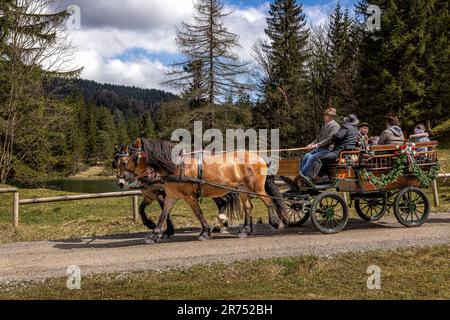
134 155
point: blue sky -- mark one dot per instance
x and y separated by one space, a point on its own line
131 42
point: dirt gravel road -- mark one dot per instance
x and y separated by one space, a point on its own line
45 259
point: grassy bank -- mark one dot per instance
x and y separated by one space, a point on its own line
96 172
422 273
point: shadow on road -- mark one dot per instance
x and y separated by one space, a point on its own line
191 234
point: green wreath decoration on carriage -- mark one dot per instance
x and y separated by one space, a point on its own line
405 158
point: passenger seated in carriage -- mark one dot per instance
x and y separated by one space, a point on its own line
345 139
393 134
364 142
320 146
420 135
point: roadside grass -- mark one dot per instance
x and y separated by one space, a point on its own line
444 155
87 218
415 273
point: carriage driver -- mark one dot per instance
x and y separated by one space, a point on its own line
321 145
345 139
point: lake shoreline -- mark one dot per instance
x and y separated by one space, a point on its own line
93 173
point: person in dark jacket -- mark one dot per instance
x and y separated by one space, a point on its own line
345 139
393 134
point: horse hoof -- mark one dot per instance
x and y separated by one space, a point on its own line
151 241
243 235
277 226
168 236
204 237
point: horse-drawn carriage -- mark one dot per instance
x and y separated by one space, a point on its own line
377 180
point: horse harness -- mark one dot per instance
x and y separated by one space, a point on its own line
199 180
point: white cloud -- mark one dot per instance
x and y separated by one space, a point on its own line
110 28
249 24
317 14
142 73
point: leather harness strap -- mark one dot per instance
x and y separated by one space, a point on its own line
200 174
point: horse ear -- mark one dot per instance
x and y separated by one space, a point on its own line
117 148
126 149
138 143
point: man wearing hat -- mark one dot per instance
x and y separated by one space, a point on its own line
345 139
363 135
320 146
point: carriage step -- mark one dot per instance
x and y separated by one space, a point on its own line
324 186
307 184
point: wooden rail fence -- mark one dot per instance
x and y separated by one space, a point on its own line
17 202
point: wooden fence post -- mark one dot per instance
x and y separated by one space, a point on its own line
136 209
16 210
435 193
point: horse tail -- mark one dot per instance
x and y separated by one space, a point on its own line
273 191
234 206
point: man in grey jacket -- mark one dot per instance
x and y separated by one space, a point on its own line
345 139
321 145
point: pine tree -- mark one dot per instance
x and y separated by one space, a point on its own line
147 127
403 65
436 99
211 67
122 132
76 137
285 87
31 41
320 76
342 53
134 128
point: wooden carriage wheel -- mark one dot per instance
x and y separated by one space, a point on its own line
371 209
329 213
411 207
297 209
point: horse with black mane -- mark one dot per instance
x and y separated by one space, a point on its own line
229 205
211 176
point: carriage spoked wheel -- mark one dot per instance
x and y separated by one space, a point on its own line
411 207
371 209
297 210
329 213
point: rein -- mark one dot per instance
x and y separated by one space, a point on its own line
253 151
144 174
199 181
174 179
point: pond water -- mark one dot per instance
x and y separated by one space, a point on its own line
83 185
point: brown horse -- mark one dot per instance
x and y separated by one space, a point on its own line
231 170
229 205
